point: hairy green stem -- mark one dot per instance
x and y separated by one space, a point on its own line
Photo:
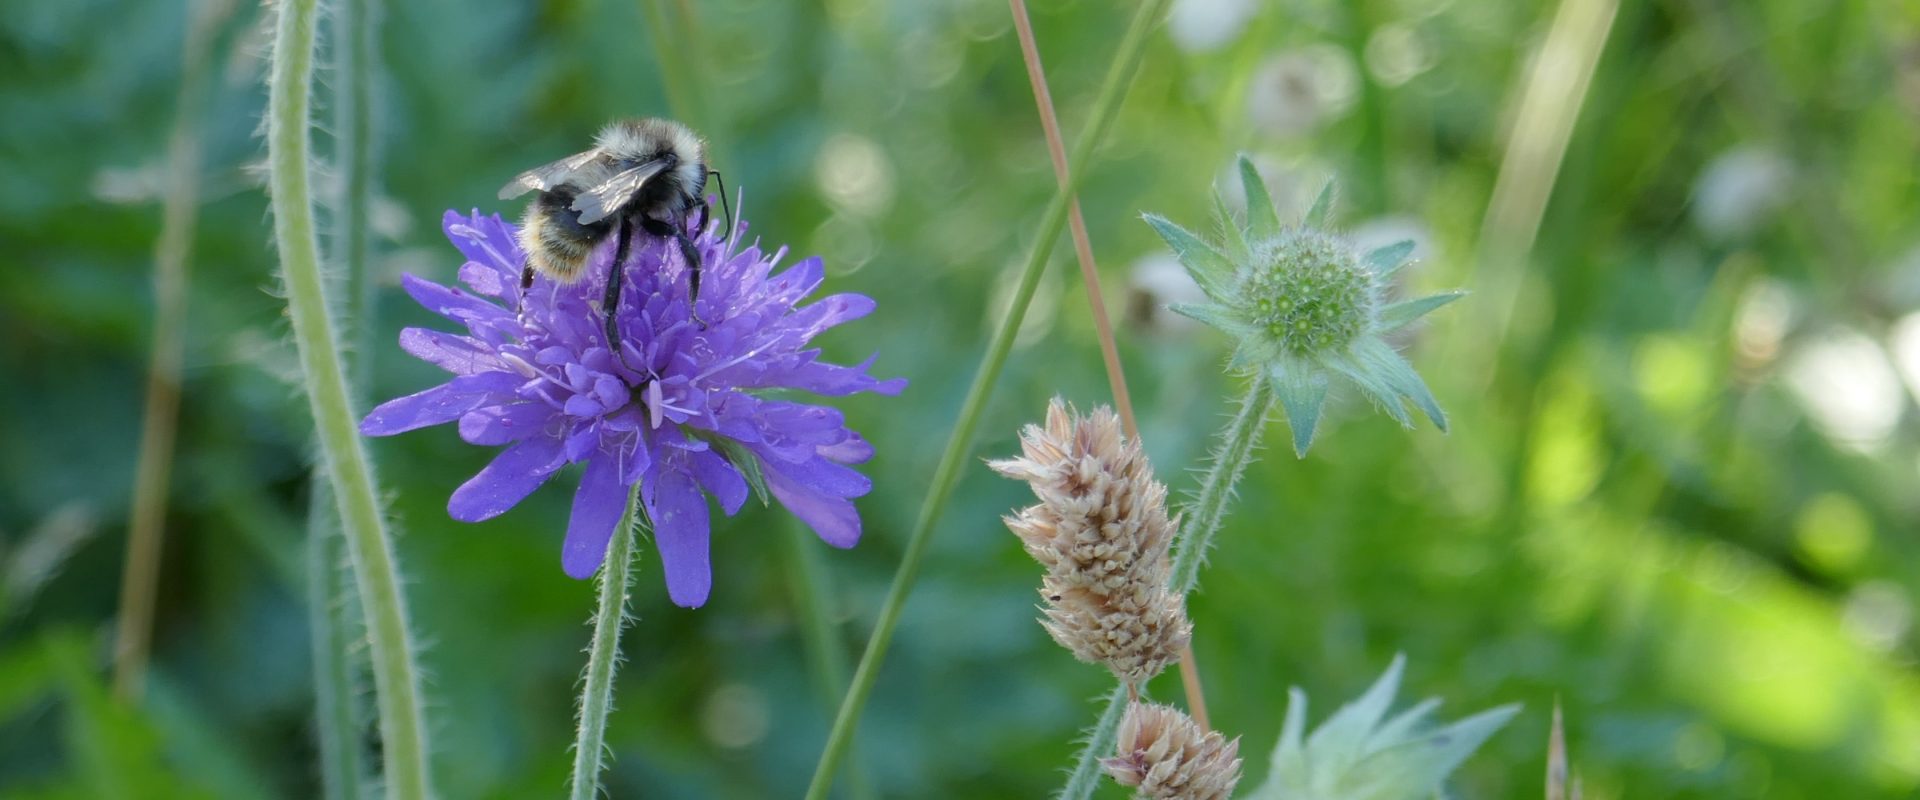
603 655
1203 517
1106 107
1086 768
289 156
332 631
338 711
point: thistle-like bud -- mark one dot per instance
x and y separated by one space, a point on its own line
1101 530
1163 755
1306 308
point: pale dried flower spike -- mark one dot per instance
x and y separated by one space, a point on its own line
1162 755
1102 531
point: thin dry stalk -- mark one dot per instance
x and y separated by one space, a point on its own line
1090 278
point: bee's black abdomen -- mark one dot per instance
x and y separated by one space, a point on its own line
557 206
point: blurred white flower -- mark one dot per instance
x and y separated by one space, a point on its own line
1296 90
1396 53
1156 282
1760 322
1199 26
1905 341
1846 385
853 172
1739 190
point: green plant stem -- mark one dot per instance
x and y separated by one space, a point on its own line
338 711
159 424
1199 523
603 655
1202 519
289 156
1106 107
337 719
1086 768
829 662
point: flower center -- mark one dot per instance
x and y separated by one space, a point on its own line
1309 292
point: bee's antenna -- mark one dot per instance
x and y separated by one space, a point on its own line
724 205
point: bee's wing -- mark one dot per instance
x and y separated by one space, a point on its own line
547 176
602 201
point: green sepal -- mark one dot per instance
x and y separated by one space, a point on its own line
1302 393
1385 261
745 461
1397 315
1209 267
1322 206
1398 375
1231 235
1262 219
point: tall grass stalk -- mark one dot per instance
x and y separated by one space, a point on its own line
1096 300
821 636
159 424
1107 105
603 656
290 158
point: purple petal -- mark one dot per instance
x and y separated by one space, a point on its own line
440 404
460 355
679 514
452 303
833 519
487 240
854 450
512 475
483 279
721 479
597 507
497 425
811 319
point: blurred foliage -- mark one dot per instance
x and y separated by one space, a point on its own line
1678 494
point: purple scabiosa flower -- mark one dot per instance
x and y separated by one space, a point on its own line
680 411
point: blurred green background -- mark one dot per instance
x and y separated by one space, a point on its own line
1678 495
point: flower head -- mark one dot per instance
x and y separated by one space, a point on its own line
1306 307
1163 755
1101 530
679 412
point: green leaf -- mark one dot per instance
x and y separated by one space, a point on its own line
1220 317
1302 393
1317 215
1262 220
1387 260
1208 266
1397 315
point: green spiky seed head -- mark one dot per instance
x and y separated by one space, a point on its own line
1305 308
1309 292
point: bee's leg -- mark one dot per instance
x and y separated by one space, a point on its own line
610 304
724 203
526 285
689 254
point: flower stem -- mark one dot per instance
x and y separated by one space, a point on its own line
1090 281
1237 442
338 710
332 631
161 417
1106 107
603 655
1086 770
289 155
